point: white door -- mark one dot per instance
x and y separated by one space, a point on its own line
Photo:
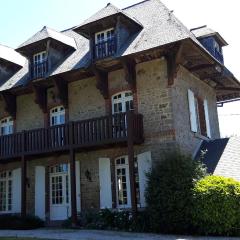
39 61
57 116
60 208
122 182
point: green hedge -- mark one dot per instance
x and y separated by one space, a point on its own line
16 222
169 193
217 206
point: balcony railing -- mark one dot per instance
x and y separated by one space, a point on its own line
105 49
39 70
81 134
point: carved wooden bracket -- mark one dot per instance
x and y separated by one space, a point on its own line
129 66
10 105
40 97
102 81
61 88
174 58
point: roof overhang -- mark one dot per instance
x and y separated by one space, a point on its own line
107 22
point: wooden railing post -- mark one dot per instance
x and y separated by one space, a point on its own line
72 175
23 176
130 117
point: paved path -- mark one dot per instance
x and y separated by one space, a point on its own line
96 235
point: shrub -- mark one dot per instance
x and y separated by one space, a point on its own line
169 192
112 220
17 222
217 206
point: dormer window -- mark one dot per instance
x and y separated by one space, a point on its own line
105 44
40 65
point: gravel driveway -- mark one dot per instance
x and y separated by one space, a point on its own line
96 235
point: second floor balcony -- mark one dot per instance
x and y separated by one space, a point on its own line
106 48
79 135
39 69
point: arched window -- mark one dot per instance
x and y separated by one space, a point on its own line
122 102
6 126
57 116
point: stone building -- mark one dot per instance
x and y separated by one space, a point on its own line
86 112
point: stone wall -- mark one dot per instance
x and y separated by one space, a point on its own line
29 115
187 140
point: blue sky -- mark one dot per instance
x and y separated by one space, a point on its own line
19 20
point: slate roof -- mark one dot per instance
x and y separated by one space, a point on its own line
10 55
46 33
205 31
222 156
160 27
107 11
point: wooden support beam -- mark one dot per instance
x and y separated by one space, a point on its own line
47 194
102 81
73 177
200 67
131 162
23 178
9 103
129 66
61 88
174 58
40 97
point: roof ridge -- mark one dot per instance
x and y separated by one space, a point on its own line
133 5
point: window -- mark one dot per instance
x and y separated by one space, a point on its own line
199 116
217 47
122 102
57 116
39 65
123 182
6 126
105 44
6 191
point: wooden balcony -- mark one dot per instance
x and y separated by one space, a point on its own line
105 49
80 135
39 70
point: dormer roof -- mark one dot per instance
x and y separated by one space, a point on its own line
45 34
10 56
204 31
105 14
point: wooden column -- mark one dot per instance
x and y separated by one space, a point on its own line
23 178
72 177
131 161
47 194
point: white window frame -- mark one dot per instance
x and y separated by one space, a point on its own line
42 57
6 178
6 126
121 98
102 49
56 113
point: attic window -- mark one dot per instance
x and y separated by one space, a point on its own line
217 47
40 65
105 44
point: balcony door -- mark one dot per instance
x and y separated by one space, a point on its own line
39 65
57 117
121 103
104 43
60 208
6 126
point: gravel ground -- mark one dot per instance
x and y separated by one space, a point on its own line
97 235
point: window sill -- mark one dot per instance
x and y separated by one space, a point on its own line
198 135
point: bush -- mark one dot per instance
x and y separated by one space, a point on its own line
112 220
169 193
17 222
217 206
